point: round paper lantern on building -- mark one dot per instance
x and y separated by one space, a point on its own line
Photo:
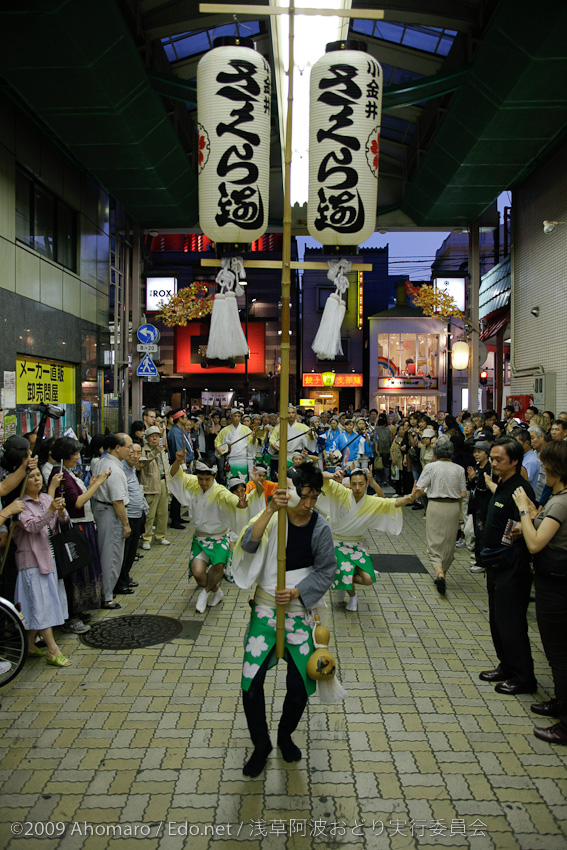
460 353
233 107
344 139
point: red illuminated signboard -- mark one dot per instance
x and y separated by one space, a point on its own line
191 346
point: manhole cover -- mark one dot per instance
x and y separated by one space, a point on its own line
132 632
397 564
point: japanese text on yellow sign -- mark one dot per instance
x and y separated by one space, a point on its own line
40 381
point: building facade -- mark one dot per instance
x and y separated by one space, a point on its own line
55 233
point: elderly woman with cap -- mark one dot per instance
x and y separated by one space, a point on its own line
154 476
479 497
445 485
231 443
213 511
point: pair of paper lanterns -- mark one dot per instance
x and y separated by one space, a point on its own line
234 98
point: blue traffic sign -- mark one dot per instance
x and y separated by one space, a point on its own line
148 333
147 368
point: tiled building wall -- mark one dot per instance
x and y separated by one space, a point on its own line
24 271
47 311
539 270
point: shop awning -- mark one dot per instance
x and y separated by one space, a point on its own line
494 326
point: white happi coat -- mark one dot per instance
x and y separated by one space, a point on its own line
229 435
215 511
350 519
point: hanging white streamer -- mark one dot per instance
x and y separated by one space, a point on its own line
327 343
237 266
226 337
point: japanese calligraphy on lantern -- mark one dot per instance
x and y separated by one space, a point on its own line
344 139
42 381
234 96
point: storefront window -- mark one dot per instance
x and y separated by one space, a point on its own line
403 405
408 374
407 355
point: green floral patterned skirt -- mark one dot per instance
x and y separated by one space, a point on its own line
217 548
260 641
351 555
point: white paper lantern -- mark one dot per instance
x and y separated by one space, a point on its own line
460 355
344 140
233 98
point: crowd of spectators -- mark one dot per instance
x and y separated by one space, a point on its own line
115 487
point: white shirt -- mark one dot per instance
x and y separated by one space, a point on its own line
115 488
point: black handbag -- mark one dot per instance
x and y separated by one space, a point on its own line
551 562
70 549
500 557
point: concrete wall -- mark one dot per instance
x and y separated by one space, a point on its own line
539 263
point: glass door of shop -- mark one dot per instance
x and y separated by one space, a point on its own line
406 404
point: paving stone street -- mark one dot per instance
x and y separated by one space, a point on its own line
144 748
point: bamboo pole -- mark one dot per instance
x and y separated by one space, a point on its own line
284 351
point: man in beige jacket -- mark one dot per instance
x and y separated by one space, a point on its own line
154 475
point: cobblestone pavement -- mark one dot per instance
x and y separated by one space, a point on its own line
144 749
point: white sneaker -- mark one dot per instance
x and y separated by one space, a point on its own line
352 604
164 542
342 595
460 544
76 626
476 568
201 605
5 667
215 599
146 546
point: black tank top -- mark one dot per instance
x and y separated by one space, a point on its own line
298 554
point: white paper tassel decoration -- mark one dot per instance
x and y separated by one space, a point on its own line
216 336
344 139
226 337
327 343
233 108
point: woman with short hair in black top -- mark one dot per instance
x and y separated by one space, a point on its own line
545 534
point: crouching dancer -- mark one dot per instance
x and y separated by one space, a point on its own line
352 514
310 569
213 510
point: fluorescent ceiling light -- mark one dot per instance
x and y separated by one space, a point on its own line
311 36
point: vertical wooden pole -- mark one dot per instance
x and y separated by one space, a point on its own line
474 277
284 352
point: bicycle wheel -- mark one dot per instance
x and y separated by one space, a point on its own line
13 642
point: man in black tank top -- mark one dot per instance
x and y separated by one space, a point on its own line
310 570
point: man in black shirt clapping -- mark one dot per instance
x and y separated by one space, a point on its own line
508 576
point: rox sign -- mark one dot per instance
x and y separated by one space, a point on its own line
159 289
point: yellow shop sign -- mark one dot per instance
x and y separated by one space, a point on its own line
40 381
